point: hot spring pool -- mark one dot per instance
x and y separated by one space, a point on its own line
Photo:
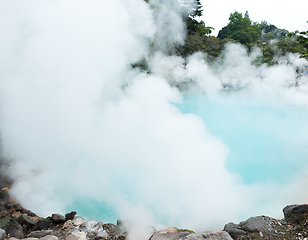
267 142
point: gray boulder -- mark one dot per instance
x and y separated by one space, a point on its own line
257 224
296 213
2 234
209 235
230 226
15 230
171 236
57 218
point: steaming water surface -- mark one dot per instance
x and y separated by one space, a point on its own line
267 142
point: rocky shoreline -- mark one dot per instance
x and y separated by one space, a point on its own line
17 222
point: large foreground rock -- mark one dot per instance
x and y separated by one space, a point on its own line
296 213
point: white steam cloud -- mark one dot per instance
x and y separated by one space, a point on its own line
79 122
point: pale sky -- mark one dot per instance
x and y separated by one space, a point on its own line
289 15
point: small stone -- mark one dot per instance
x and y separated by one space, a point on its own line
57 218
70 216
2 234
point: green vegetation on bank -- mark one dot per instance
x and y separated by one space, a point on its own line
273 42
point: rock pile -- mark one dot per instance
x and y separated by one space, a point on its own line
19 223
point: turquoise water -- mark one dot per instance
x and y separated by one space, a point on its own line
267 142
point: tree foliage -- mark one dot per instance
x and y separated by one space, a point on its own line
240 28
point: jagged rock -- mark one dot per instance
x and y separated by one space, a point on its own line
57 218
15 230
2 234
296 213
236 233
221 235
257 224
169 235
26 220
230 226
70 216
49 237
42 224
43 233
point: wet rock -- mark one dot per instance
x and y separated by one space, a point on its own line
15 230
26 220
236 233
2 234
43 233
169 235
49 237
296 213
57 218
70 216
42 224
222 235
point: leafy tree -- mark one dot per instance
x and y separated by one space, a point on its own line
240 28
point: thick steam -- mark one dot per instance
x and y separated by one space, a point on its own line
79 122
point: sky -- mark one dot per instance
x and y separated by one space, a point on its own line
283 14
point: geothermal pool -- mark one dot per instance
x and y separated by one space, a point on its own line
267 142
